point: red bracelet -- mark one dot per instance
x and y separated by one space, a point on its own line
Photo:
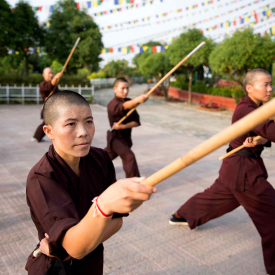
97 209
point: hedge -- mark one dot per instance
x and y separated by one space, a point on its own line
34 79
236 93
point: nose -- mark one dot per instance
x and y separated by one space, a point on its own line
81 131
269 88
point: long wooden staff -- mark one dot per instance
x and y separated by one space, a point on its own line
237 129
66 63
237 149
160 81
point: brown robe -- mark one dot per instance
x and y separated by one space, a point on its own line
119 142
59 199
45 88
242 181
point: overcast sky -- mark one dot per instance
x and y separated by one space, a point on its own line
142 34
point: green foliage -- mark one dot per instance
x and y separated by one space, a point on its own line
6 29
35 79
116 68
27 32
56 66
236 93
240 53
94 75
66 24
183 45
187 42
83 72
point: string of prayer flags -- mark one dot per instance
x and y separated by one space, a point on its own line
135 49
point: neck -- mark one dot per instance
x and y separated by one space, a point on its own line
72 161
257 101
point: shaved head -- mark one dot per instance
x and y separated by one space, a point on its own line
47 69
60 100
252 76
118 80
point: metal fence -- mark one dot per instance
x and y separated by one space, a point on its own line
31 93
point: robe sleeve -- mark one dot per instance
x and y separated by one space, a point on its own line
54 209
265 130
116 108
111 180
135 117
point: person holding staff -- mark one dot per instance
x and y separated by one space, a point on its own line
45 88
243 177
75 201
119 140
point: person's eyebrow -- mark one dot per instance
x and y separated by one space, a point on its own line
89 117
71 119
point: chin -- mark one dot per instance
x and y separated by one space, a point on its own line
79 153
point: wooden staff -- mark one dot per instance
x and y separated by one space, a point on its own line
66 63
160 81
237 149
237 129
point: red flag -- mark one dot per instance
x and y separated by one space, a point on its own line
40 8
77 6
111 50
154 49
234 22
256 17
132 49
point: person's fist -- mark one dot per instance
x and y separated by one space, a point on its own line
124 196
58 75
142 98
250 143
117 126
44 246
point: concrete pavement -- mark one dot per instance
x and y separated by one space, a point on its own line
146 244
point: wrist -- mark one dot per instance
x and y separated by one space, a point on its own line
104 207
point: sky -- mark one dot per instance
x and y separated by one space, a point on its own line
138 33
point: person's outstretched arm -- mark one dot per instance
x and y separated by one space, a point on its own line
127 105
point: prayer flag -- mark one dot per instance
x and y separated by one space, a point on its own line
154 49
89 5
51 9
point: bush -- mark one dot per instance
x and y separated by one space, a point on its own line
35 79
233 92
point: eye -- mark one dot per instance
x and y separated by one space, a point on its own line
90 122
70 124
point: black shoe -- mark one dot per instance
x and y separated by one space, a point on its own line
176 221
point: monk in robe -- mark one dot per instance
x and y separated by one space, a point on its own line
119 141
242 177
72 192
45 87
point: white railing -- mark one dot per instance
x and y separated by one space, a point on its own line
31 93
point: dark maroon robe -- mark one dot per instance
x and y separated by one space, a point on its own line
119 142
58 200
242 181
45 88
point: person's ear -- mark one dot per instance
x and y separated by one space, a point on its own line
115 89
249 88
48 130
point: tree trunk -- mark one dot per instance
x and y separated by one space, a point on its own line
190 86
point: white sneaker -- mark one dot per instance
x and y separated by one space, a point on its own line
34 139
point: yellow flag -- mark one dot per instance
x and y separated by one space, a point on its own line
268 12
145 48
48 24
102 50
38 50
273 30
124 49
166 47
246 19
95 3
226 25
16 52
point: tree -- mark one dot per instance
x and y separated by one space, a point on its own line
240 53
66 24
6 30
157 65
183 45
27 32
140 57
116 68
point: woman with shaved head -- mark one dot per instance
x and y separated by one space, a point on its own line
45 87
243 177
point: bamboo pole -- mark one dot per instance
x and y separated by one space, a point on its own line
66 63
237 129
237 149
161 80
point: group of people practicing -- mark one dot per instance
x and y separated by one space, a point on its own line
76 203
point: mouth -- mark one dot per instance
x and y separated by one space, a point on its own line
83 145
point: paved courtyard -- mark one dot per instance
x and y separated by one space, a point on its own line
146 244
